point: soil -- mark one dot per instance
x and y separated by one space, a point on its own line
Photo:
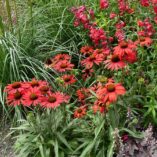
6 143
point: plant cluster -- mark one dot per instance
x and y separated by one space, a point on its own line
91 94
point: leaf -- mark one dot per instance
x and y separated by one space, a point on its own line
56 148
133 134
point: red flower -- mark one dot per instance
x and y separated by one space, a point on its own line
99 106
114 62
104 4
131 57
87 50
59 57
80 112
12 88
82 94
110 92
15 98
69 79
144 3
53 100
101 53
32 97
91 60
144 41
35 83
124 48
112 15
63 66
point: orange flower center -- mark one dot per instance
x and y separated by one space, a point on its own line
79 110
63 65
49 62
111 87
16 85
124 44
33 96
142 39
17 95
92 57
52 99
67 79
44 88
34 83
115 58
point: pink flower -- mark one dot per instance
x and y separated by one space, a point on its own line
104 4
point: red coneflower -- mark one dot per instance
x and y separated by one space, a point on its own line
91 60
124 47
35 83
87 50
144 41
110 92
69 79
114 62
63 66
32 97
15 98
60 57
53 100
99 106
12 88
80 112
130 57
82 94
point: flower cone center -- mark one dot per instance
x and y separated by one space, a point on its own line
16 85
115 58
17 95
111 88
33 96
123 44
52 99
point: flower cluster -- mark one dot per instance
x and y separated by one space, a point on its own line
33 93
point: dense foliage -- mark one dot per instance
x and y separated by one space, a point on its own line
79 78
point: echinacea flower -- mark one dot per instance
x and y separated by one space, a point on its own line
110 92
144 41
130 57
114 62
60 57
12 88
34 83
80 112
99 106
68 79
87 50
91 60
32 97
63 66
82 94
124 47
15 98
52 100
